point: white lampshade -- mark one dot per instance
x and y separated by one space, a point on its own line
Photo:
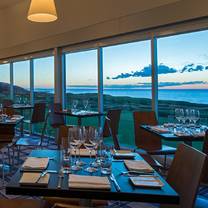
42 11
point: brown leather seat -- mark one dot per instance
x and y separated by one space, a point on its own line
146 140
184 175
22 203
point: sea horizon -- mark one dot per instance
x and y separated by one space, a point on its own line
199 96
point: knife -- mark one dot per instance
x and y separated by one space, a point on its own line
113 179
60 177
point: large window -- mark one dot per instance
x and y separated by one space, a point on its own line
127 83
4 82
183 74
81 82
44 79
21 71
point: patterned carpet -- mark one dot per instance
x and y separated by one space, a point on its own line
50 144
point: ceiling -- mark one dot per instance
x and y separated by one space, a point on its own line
8 3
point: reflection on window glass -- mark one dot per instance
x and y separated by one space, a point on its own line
81 82
4 82
183 75
44 79
21 71
127 83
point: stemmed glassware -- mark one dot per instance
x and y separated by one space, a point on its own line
1 108
74 105
65 155
85 104
90 144
73 140
178 114
194 115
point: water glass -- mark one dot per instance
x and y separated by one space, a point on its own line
65 155
106 163
73 140
85 104
74 106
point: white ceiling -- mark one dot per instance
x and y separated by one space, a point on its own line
8 3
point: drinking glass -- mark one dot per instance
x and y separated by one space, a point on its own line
1 108
90 144
195 115
81 142
178 114
85 104
73 140
106 162
74 105
65 155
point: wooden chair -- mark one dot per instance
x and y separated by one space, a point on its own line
185 173
23 203
146 140
55 120
204 179
111 126
38 115
6 103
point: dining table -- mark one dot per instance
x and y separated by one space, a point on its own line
126 192
177 133
80 114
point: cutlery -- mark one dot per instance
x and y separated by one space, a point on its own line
113 179
135 173
44 173
60 178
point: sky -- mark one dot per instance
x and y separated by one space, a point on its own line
182 63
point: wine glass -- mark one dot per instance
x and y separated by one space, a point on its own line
1 108
74 105
73 140
90 144
195 115
85 104
65 155
178 114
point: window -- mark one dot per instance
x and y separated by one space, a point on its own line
21 71
183 74
81 82
4 82
44 79
127 83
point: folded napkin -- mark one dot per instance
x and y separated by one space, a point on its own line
138 165
182 134
88 182
123 154
34 179
83 153
34 163
147 181
159 129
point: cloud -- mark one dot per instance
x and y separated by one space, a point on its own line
146 72
192 67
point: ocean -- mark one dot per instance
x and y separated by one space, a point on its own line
199 96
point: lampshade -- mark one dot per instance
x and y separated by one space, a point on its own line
42 11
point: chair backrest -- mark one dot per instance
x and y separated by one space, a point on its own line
7 103
184 174
143 138
38 115
55 120
111 126
205 151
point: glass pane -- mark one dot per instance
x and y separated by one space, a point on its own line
183 75
127 83
44 86
44 80
81 82
4 82
21 72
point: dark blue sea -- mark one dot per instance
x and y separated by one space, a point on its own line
189 95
